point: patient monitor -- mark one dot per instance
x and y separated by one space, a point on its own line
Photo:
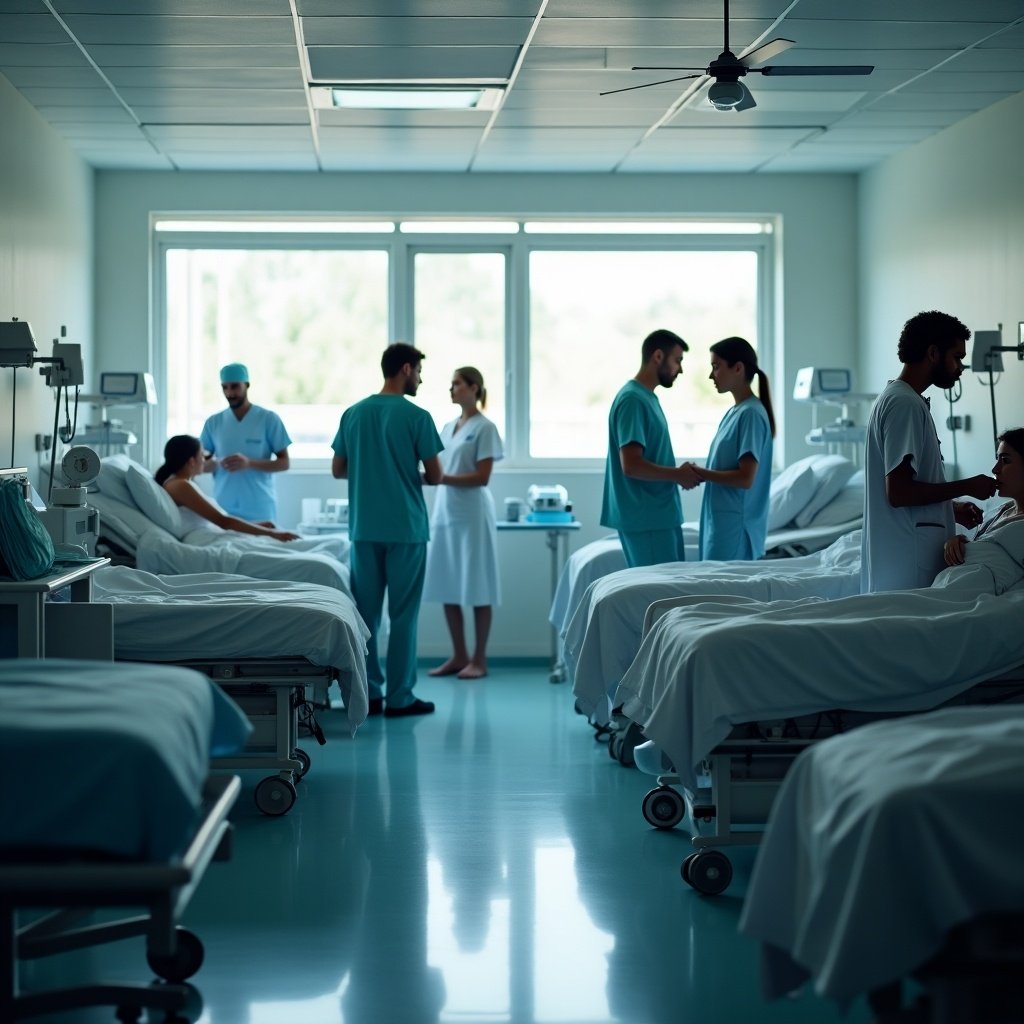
830 387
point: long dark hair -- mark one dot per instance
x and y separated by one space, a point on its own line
178 450
1014 438
738 350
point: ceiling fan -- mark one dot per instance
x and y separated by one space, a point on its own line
727 92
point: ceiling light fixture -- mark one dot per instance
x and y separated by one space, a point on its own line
381 96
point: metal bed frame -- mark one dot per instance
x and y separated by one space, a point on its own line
71 890
742 775
273 694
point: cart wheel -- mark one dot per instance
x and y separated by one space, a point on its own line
613 746
274 795
663 807
304 759
183 962
684 868
708 871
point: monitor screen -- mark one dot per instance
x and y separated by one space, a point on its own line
833 381
113 385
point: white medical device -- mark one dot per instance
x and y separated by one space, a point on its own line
548 498
17 346
118 388
69 520
826 386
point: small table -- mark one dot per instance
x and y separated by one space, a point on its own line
29 598
558 545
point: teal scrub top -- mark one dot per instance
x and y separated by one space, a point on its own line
636 417
734 521
385 438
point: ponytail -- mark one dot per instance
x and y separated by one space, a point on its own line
764 393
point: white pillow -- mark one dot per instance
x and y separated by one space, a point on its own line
831 473
789 493
127 520
847 505
153 501
111 481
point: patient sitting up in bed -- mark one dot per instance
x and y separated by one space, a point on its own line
183 460
1009 474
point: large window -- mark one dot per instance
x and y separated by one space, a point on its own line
553 316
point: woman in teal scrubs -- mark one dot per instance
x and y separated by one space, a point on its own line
737 475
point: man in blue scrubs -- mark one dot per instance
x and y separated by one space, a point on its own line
641 476
247 443
380 444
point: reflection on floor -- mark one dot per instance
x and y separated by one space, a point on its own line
488 863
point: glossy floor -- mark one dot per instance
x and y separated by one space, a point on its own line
487 863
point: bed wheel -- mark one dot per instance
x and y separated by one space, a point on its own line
663 807
183 962
304 759
614 743
274 795
707 871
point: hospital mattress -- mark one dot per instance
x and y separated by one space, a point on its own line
219 616
605 633
925 838
112 757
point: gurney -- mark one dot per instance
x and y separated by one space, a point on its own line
706 668
265 642
927 842
136 846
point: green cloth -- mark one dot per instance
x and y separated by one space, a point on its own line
385 438
636 505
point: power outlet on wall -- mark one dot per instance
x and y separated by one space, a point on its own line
43 442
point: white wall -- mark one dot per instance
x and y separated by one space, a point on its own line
817 308
942 227
46 260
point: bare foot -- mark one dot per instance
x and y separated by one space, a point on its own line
449 668
473 671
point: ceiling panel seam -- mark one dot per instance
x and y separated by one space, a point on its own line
300 43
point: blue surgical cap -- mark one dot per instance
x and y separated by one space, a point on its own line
234 372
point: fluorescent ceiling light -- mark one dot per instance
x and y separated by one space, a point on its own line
459 227
543 227
380 96
324 227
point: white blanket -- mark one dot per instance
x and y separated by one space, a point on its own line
604 635
869 860
262 558
213 615
706 667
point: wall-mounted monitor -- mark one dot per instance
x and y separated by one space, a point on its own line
128 387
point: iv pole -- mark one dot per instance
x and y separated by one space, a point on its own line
990 358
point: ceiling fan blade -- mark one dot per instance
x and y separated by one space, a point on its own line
647 85
765 52
847 69
748 100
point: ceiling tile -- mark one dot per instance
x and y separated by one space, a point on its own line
431 31
158 30
396 63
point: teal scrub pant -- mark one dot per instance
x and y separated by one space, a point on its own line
652 547
399 569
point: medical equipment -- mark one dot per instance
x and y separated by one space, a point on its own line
548 503
69 520
118 388
986 358
17 345
831 387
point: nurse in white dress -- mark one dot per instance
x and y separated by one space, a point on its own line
462 557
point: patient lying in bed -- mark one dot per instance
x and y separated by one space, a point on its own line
705 666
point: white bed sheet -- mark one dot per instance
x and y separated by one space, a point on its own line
868 861
604 556
78 731
215 615
707 666
604 635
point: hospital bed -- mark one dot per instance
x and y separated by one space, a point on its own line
263 641
813 503
82 831
604 635
730 690
140 524
874 869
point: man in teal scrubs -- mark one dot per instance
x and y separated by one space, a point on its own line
641 476
380 444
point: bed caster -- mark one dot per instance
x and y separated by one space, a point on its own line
663 808
707 871
626 742
298 754
186 959
614 742
274 795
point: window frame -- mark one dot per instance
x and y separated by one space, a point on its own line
401 249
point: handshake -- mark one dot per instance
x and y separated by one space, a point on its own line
688 476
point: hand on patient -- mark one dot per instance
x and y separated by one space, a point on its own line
967 514
955 550
284 535
233 463
981 487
